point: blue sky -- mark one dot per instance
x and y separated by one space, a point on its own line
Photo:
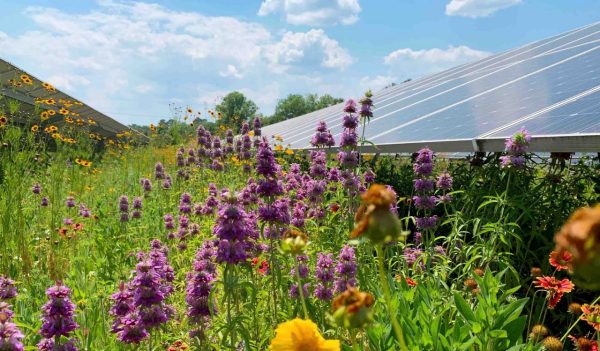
131 60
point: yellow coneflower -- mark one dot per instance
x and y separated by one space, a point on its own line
44 116
3 120
35 128
63 111
50 102
299 334
49 87
289 151
51 112
55 135
53 128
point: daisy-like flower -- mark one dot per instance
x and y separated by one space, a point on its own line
300 335
560 260
591 314
555 288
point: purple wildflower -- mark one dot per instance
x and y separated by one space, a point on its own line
345 269
325 275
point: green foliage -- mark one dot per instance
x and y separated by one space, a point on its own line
295 105
235 109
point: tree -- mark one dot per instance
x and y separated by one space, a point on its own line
235 109
295 105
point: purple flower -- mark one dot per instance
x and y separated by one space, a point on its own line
44 202
137 203
131 329
146 184
70 201
233 228
50 345
295 293
348 159
7 289
427 222
424 202
350 121
369 176
324 275
58 313
10 335
349 138
322 137
169 221
36 189
318 167
423 185
345 269
124 203
265 160
245 128
159 171
412 255
444 181
350 106
257 125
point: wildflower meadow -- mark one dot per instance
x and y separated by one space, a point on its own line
229 240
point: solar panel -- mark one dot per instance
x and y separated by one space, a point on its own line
27 94
550 86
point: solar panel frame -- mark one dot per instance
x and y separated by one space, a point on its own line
555 55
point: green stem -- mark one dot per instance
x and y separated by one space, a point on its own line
301 289
383 280
578 319
355 346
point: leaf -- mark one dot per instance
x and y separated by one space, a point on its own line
464 308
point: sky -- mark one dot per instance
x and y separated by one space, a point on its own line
132 60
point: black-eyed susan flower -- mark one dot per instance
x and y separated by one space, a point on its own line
69 120
35 128
26 79
51 112
301 335
63 111
55 135
3 120
50 102
44 116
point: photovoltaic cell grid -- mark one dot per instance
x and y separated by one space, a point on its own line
551 87
105 125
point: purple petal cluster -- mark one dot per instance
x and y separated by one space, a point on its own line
57 317
345 269
322 137
516 147
324 275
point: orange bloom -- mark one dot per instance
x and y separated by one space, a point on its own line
561 260
555 288
580 236
374 218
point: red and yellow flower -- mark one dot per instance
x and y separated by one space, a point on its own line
555 288
591 314
560 260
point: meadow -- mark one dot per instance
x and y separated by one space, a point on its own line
231 241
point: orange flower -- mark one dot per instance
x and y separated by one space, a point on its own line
555 288
561 260
410 282
352 308
374 218
77 226
580 236
591 314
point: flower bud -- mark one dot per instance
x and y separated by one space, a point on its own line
294 242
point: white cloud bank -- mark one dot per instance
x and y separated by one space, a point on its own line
313 12
477 8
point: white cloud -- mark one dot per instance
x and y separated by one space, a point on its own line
477 8
313 48
109 55
231 71
409 63
313 12
376 83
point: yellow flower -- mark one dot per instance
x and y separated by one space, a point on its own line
289 151
35 128
278 148
51 112
251 133
44 116
63 111
301 335
278 138
3 120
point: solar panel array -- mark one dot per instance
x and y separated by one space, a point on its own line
28 93
551 87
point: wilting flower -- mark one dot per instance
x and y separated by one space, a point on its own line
591 314
561 260
555 288
352 308
538 333
294 241
580 236
301 335
374 218
552 343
